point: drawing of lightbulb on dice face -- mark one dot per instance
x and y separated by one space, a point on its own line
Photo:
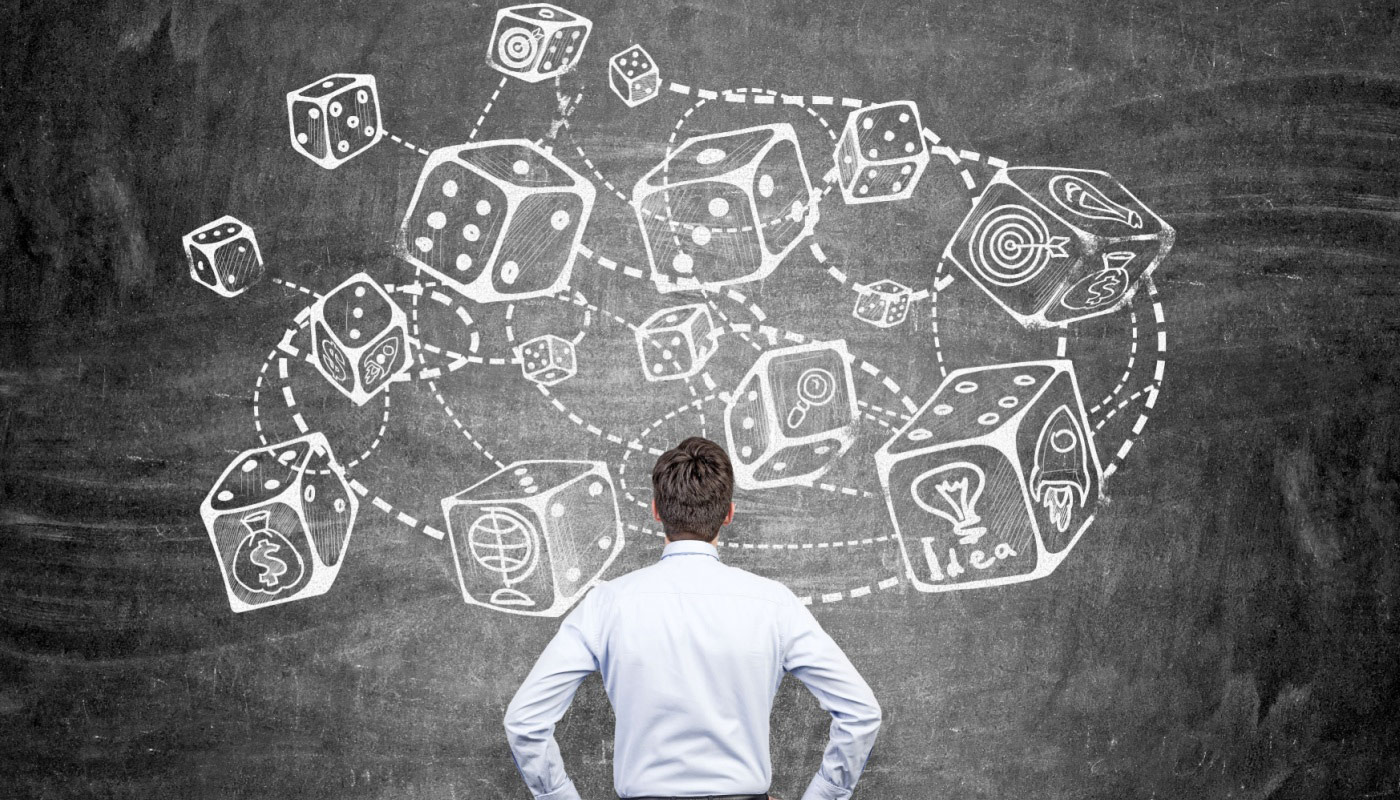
992 480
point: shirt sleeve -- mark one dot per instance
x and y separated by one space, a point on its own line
545 695
811 656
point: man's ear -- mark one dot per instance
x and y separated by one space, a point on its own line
656 515
728 518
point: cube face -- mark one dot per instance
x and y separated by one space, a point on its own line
634 76
883 304
497 221
224 256
359 338
676 343
537 41
548 360
280 519
335 119
994 479
533 537
1054 246
792 415
881 154
725 208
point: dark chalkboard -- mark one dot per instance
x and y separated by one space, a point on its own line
339 341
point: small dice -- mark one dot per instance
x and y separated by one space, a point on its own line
793 414
224 256
634 76
548 359
883 304
359 338
675 343
537 41
335 119
881 154
280 519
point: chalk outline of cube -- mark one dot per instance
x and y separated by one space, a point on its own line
864 289
1046 562
701 357
397 318
919 159
188 243
655 67
532 75
569 371
327 161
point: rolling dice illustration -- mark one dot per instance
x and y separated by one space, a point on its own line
224 256
994 479
883 304
359 338
793 414
497 220
537 41
532 538
1054 246
634 76
881 154
335 119
548 359
280 519
675 343
725 208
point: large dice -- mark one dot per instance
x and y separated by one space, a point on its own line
675 343
537 41
359 338
994 479
725 208
883 304
548 359
224 256
280 519
881 154
793 414
532 538
1054 246
497 220
634 76
335 119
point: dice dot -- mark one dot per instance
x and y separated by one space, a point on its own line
765 185
546 13
700 234
423 243
250 465
337 109
668 355
675 341
746 451
357 313
896 186
847 159
471 232
224 496
989 418
520 471
671 319
560 220
527 481
867 123
510 271
779 466
889 136
920 435
449 188
710 155
863 189
683 263
531 489
1024 380
908 147
657 368
360 291
343 146
574 35
369 130
352 121
557 510
271 484
718 207
483 207
301 137
1009 401
573 574
752 395
354 333
314 113
822 450
942 409
521 166
437 220
797 210
605 542
874 153
547 65
309 493
748 423
464 261
339 505
362 97
965 387
327 84
904 117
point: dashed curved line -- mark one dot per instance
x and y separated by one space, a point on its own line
937 336
1152 391
1127 371
410 145
297 287
471 137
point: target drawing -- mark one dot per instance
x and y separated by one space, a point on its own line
1011 245
518 47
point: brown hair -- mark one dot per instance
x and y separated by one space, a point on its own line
692 485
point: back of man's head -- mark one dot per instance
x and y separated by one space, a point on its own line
692 486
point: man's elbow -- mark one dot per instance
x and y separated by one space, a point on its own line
873 715
518 726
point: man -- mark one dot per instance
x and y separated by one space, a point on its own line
692 652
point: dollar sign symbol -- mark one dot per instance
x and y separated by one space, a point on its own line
1103 289
265 562
270 565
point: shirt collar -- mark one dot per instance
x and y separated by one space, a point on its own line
690 547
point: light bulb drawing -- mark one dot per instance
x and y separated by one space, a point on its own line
953 497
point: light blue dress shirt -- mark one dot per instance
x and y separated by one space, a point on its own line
692 652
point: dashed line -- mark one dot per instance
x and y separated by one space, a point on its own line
410 145
299 288
471 137
937 340
1127 370
859 591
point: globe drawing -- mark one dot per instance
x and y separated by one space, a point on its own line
503 541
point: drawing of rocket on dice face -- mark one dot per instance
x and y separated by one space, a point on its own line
335 119
224 256
994 479
533 537
537 41
881 154
1055 246
497 221
280 519
793 414
725 208
359 338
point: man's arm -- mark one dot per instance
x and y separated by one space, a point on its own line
545 695
812 657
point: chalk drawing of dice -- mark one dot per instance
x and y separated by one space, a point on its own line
537 41
793 414
995 478
883 304
359 338
280 519
497 221
634 76
335 119
725 208
548 359
881 154
224 256
676 343
1054 246
533 537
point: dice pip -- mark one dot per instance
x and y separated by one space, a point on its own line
548 359
883 304
533 537
224 256
675 343
725 208
280 518
793 414
881 154
634 76
359 338
1054 246
497 221
335 119
537 41
994 479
